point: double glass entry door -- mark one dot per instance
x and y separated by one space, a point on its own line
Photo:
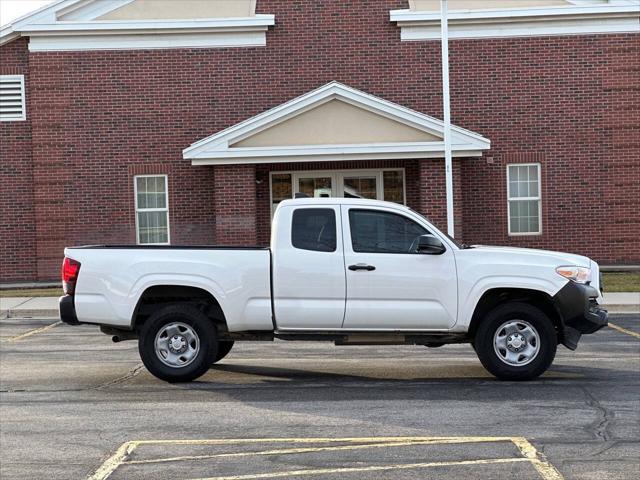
361 185
384 184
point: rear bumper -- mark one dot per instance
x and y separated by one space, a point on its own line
68 310
579 311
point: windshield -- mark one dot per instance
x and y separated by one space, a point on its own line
453 240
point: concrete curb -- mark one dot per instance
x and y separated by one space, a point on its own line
616 309
43 313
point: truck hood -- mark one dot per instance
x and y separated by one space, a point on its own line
522 265
530 255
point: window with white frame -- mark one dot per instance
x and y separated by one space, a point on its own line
524 199
12 98
152 209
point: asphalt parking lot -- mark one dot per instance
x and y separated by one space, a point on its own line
74 406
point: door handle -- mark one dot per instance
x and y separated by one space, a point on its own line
362 266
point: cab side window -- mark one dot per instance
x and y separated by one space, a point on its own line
314 229
383 232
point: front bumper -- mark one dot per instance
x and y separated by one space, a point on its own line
580 312
68 310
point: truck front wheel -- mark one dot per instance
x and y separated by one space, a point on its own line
516 341
178 343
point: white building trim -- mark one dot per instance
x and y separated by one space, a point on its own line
583 19
118 35
329 153
218 149
147 42
80 30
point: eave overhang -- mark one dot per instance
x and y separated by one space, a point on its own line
521 22
80 29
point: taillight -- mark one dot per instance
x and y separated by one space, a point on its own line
70 270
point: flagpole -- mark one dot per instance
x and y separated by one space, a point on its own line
447 116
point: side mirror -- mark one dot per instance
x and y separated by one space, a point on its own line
430 245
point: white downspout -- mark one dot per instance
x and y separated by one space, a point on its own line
447 116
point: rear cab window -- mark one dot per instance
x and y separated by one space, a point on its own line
314 229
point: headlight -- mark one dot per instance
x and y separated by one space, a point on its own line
576 274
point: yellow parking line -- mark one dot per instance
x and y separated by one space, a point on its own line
126 449
33 332
291 451
114 461
375 468
239 441
529 452
624 330
544 468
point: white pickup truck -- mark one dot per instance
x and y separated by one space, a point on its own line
350 271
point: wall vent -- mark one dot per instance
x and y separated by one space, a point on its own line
12 98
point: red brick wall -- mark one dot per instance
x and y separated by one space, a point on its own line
235 205
570 104
17 221
433 194
97 117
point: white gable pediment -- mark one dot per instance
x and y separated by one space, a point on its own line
336 123
333 122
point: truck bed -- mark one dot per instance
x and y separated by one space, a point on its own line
167 247
113 278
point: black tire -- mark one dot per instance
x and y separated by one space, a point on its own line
198 324
224 347
493 361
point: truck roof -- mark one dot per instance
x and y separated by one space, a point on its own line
342 201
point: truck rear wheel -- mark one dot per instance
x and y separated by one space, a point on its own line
178 343
224 347
516 341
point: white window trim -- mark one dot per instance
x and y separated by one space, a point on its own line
166 209
337 175
19 78
538 198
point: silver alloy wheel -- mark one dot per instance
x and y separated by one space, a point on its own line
177 344
516 343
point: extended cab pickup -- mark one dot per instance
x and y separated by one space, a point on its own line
349 271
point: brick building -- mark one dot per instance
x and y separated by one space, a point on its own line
186 122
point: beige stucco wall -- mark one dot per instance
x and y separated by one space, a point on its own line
431 5
334 123
181 9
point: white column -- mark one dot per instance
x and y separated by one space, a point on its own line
447 115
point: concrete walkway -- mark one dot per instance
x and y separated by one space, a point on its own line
622 302
44 307
28 307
